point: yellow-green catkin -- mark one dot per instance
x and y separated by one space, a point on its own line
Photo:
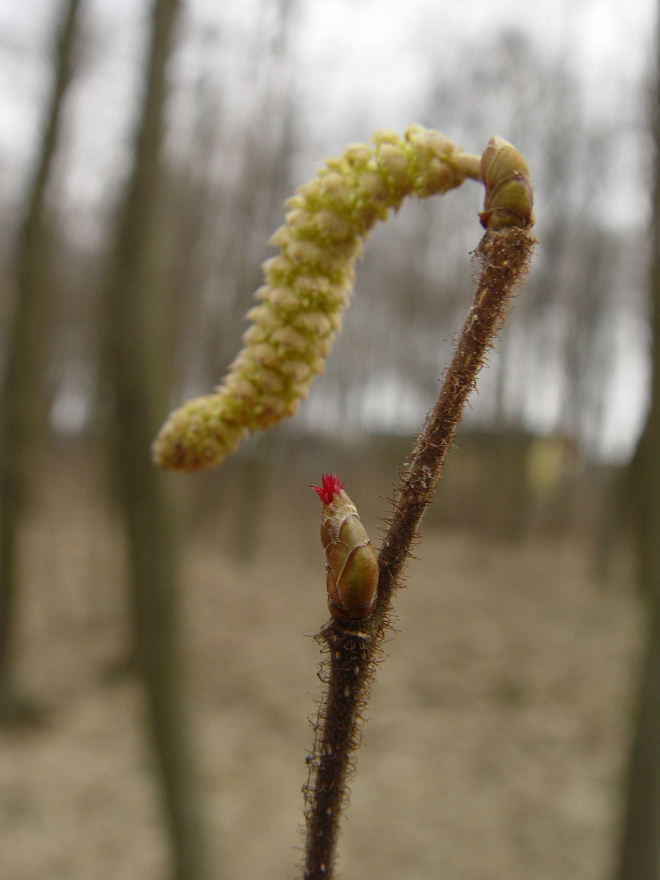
308 285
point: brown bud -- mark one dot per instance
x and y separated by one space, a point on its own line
351 565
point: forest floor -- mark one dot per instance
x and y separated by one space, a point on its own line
493 750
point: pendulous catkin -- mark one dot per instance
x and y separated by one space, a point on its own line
309 284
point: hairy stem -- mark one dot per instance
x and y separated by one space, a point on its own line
349 669
505 259
354 649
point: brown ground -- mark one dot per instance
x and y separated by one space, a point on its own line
493 749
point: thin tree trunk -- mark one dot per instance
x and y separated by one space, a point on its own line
638 857
638 847
25 358
139 350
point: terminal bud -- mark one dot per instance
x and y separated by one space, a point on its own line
509 198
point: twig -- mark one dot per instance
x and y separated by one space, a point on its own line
354 647
505 255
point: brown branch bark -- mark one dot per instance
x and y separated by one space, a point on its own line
505 257
354 650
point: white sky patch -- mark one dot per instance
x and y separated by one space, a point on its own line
627 396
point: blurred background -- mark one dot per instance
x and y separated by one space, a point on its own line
156 672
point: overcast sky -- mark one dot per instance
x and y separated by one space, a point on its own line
362 60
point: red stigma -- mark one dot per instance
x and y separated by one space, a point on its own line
331 486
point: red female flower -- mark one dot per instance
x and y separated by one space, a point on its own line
331 486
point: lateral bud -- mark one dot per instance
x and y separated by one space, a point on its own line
509 197
351 565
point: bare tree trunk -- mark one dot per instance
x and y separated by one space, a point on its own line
638 848
140 365
638 857
25 343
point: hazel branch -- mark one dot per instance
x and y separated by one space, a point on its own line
505 256
353 644
294 325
